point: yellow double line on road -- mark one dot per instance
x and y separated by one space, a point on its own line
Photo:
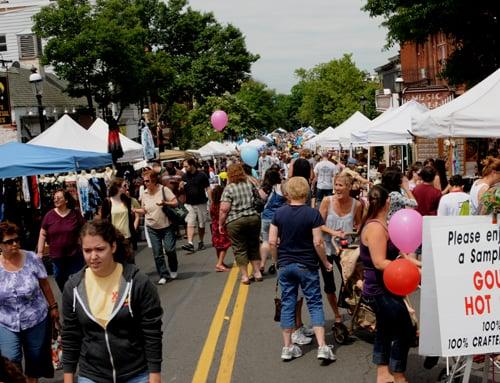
229 353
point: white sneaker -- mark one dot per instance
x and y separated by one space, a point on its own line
162 281
299 338
173 275
307 331
325 353
288 353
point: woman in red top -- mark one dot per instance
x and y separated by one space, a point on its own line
220 240
60 230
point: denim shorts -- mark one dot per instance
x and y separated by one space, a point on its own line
291 277
143 377
265 224
394 331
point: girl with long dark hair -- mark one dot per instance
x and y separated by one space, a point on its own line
394 326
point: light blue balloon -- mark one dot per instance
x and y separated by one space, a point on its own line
250 155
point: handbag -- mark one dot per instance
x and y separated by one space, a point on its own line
56 346
277 304
176 215
258 203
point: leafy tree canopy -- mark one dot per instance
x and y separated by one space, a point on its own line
209 58
474 26
332 92
125 51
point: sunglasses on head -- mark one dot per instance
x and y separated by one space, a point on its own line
11 241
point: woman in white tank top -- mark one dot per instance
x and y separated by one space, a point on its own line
491 176
341 214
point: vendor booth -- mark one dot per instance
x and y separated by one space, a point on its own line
18 160
469 126
393 127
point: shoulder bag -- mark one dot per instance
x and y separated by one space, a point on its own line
258 202
176 215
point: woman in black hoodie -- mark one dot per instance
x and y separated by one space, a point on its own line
112 315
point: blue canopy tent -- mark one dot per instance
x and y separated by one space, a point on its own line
18 159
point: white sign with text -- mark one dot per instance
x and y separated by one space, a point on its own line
460 295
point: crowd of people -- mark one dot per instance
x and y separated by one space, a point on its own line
287 215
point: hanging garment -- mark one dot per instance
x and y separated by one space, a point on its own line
114 144
35 192
147 142
26 190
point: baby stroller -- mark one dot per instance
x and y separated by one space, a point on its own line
350 298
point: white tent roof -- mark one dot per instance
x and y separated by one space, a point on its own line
215 148
392 127
66 133
476 113
321 139
341 135
354 123
132 151
257 143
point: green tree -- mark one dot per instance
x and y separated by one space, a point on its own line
99 50
67 25
474 26
209 58
332 92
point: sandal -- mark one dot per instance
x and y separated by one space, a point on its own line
246 282
221 268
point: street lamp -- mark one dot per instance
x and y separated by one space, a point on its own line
363 101
398 86
36 83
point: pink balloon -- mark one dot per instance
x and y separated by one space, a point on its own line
405 230
219 120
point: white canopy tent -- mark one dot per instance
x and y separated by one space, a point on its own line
393 127
258 143
341 135
66 133
214 149
132 151
322 139
356 122
476 113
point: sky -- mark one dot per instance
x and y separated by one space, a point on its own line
292 34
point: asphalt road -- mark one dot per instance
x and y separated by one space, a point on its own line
217 330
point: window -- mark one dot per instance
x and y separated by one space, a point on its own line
30 46
3 43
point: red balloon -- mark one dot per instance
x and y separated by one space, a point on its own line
401 277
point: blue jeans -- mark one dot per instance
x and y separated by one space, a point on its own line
394 331
65 266
163 239
291 277
143 377
35 342
322 193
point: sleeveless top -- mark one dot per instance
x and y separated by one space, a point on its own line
474 197
302 168
274 202
373 283
336 222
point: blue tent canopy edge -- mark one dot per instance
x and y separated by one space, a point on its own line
17 159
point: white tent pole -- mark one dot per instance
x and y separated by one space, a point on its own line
368 169
403 159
